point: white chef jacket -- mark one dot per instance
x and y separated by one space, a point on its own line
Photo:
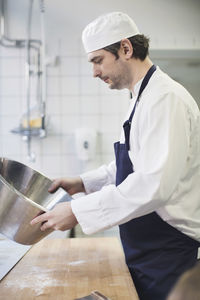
165 153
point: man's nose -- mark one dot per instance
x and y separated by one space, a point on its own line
96 71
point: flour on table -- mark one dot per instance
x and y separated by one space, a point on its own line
76 262
38 280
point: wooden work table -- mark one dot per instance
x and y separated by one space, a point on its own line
65 269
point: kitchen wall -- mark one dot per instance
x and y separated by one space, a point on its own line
74 98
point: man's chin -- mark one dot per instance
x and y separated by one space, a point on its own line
115 87
112 86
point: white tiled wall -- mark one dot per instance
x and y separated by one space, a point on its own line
74 99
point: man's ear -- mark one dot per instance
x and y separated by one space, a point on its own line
126 48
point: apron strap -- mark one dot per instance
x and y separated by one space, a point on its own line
127 124
143 85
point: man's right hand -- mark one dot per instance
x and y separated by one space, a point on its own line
71 185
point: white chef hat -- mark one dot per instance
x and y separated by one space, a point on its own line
108 29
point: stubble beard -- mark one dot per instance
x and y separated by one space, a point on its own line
122 79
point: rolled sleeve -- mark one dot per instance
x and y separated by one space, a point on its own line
94 180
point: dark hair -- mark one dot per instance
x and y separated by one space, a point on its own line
140 45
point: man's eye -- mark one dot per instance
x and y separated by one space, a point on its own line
98 61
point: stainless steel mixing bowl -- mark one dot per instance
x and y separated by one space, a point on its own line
23 195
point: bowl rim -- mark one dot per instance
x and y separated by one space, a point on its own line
14 190
27 166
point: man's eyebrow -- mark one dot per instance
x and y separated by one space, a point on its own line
94 58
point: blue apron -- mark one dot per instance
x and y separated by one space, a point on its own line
156 253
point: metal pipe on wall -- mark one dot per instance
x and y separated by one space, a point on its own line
43 54
31 155
26 130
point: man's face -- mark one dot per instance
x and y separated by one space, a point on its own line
112 71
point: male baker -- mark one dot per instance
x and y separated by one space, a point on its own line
151 189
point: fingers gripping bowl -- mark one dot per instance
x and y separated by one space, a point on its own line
24 195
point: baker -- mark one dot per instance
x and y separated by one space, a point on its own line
151 190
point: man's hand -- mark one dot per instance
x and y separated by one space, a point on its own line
60 217
71 185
